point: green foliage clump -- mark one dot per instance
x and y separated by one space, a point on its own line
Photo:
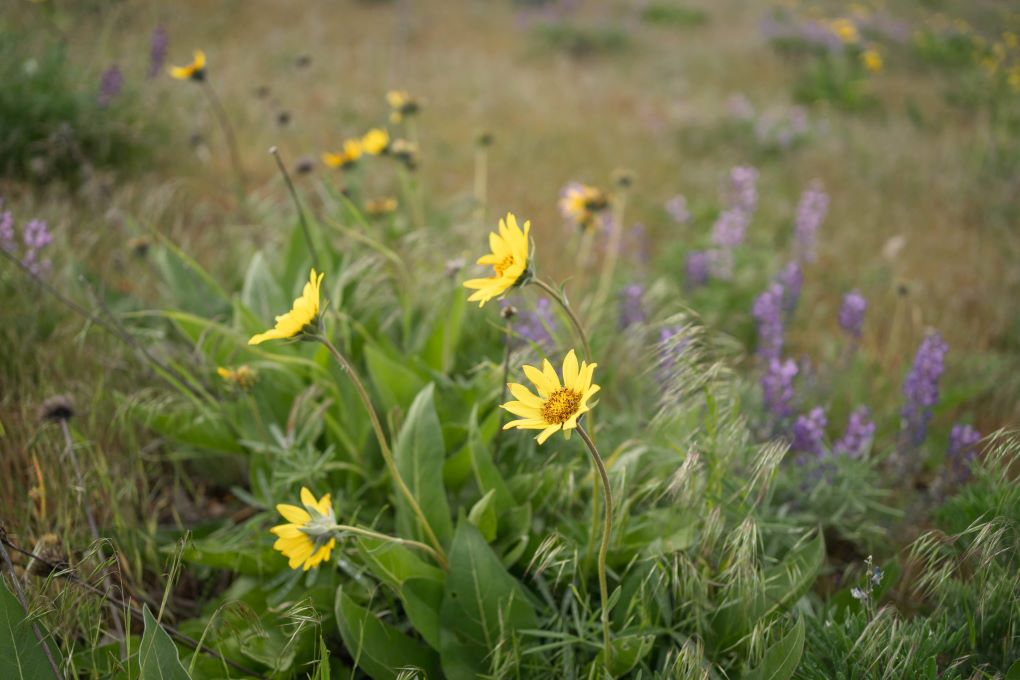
667 14
582 41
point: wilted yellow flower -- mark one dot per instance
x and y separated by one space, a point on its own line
580 203
310 536
342 159
402 105
375 141
303 316
381 206
243 376
193 71
845 30
557 406
872 60
509 260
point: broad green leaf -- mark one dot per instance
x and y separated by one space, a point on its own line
261 293
420 454
790 579
21 655
158 658
628 651
423 599
487 475
482 604
483 516
377 648
782 657
1014 671
395 383
393 564
442 342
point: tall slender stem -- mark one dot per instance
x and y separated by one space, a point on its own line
297 204
384 446
481 182
561 300
509 334
612 253
607 527
228 132
24 603
368 533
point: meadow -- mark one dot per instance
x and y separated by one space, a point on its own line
510 339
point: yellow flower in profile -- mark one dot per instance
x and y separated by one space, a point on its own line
402 105
579 203
872 60
243 376
375 141
381 206
342 159
193 71
309 537
304 314
845 30
557 406
509 261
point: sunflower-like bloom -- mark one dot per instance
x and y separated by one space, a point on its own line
557 406
243 376
580 203
509 261
193 71
348 156
381 206
376 141
303 315
309 537
402 105
845 30
872 60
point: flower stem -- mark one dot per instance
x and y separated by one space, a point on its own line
228 132
509 334
297 204
481 183
561 300
607 527
368 533
387 454
612 254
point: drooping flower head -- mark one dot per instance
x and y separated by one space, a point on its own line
860 430
402 105
921 387
405 152
345 158
375 142
309 536
581 204
303 316
193 71
557 405
508 259
851 313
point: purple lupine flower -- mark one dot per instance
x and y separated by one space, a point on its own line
7 230
777 387
110 85
669 350
36 236
962 441
739 107
791 278
678 210
743 189
631 311
730 228
696 268
860 430
537 325
720 263
809 432
642 247
768 312
158 47
851 313
921 387
811 210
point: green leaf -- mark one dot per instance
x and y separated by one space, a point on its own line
21 654
261 293
395 383
442 342
157 655
782 658
628 650
483 516
377 648
423 599
1014 671
487 475
790 579
420 453
482 604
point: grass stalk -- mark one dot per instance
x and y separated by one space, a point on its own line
607 527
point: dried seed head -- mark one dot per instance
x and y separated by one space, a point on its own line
623 178
304 165
508 312
484 139
58 408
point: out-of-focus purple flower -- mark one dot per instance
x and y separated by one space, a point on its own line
744 189
110 85
811 210
962 442
158 47
730 228
36 236
642 247
791 278
851 313
780 129
809 432
777 387
739 107
720 263
768 312
677 209
696 268
7 230
669 350
921 387
631 311
537 325
860 430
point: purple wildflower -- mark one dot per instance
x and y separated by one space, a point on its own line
743 189
110 85
158 47
921 387
720 263
696 268
811 210
851 313
859 432
739 107
36 236
777 387
678 210
809 432
768 312
537 325
791 278
631 311
7 231
669 350
730 228
962 441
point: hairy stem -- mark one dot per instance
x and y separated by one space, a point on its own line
607 527
561 300
368 533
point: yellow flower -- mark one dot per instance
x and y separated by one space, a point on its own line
580 203
351 153
193 71
845 30
401 104
1011 40
557 406
375 141
1014 77
872 60
509 260
303 314
404 151
381 206
243 376
309 537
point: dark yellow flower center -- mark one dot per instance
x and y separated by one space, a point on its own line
502 266
560 406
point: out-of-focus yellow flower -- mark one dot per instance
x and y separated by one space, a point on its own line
375 141
404 151
557 406
508 259
1011 40
303 316
310 535
845 30
872 60
381 206
402 105
348 156
243 376
1014 77
193 71
580 203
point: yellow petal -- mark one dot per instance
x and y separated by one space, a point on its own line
523 410
552 380
539 380
524 395
292 513
570 371
547 432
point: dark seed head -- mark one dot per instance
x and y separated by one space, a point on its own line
58 408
